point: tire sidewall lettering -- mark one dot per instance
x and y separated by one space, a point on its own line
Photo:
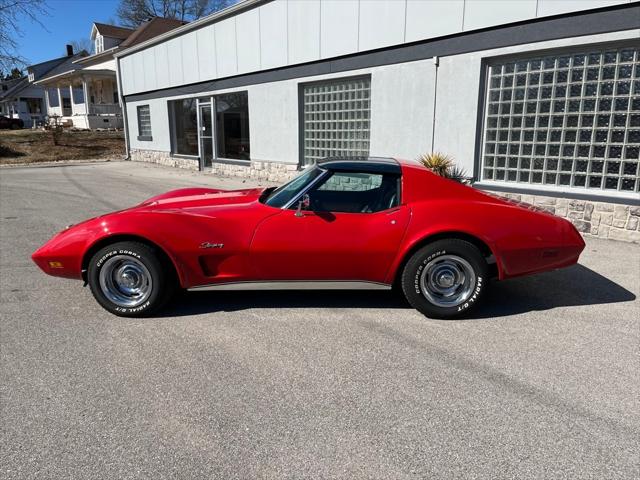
133 310
416 280
474 297
111 253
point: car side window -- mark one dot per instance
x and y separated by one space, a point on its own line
356 192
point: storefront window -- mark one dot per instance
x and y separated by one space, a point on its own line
232 126
185 126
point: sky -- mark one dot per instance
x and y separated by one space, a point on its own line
67 20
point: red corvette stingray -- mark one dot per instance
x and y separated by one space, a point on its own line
343 223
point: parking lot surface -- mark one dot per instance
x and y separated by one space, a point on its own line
542 382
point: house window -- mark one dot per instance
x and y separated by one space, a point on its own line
565 121
144 122
34 105
99 43
54 100
232 126
184 123
336 119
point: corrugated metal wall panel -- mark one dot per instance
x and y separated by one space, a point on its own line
289 32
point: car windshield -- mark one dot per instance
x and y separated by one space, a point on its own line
282 195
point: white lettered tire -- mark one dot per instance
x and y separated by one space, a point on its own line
445 279
130 279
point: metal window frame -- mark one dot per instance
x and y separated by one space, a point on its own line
301 120
212 102
214 126
171 111
142 136
568 191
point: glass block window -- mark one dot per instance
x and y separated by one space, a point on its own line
570 121
336 119
144 121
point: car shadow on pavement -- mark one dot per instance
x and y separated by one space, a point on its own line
577 285
573 286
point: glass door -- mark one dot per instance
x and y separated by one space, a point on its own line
205 122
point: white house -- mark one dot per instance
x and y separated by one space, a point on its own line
20 99
538 98
24 99
83 90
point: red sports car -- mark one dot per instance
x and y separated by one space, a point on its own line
340 224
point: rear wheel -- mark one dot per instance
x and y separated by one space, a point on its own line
445 279
130 279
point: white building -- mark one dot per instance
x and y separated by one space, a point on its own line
539 98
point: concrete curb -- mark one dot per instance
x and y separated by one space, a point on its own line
61 163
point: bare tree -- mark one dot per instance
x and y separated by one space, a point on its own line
132 13
81 44
12 14
15 73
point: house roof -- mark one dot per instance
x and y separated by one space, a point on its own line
65 67
39 70
68 65
15 86
112 31
152 28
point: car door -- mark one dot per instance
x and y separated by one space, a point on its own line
351 231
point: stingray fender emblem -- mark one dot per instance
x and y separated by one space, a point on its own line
211 245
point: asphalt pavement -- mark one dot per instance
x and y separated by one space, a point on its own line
542 382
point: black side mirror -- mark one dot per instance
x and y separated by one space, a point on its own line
303 204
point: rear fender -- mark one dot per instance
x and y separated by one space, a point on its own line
420 239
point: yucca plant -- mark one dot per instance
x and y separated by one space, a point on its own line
443 165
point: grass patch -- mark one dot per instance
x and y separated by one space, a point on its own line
35 146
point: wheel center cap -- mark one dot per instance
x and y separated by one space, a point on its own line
128 280
446 279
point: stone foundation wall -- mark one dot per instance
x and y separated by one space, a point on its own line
598 219
260 170
164 158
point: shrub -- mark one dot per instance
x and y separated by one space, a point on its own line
443 165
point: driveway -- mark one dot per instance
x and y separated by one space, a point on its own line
542 383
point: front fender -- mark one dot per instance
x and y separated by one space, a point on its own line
176 234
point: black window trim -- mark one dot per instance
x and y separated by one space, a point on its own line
143 138
212 104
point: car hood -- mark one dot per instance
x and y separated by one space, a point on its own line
200 197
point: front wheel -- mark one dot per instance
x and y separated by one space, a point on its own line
445 279
130 279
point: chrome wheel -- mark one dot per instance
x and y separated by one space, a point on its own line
448 281
125 281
